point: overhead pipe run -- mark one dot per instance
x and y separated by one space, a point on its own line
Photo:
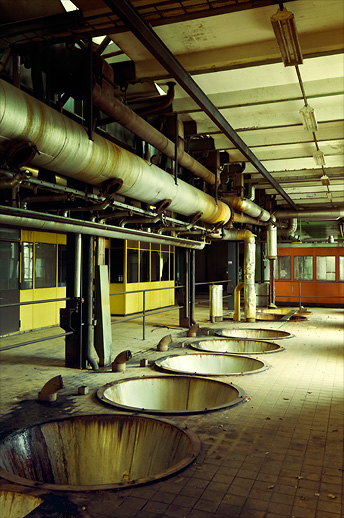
314 214
46 222
248 207
64 146
104 99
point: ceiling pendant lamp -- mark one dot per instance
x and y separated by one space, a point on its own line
319 157
283 24
309 121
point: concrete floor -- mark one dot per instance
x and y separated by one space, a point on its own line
279 454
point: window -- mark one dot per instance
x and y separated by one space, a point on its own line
326 268
341 268
284 267
155 266
164 266
45 265
27 266
132 265
144 266
9 265
62 265
303 268
117 264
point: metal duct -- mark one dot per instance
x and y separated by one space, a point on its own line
290 229
64 147
313 214
125 116
247 206
249 267
47 222
238 217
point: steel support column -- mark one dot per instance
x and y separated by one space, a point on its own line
129 15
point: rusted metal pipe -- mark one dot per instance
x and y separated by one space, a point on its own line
47 222
49 390
64 146
164 343
247 206
119 363
120 112
244 218
10 183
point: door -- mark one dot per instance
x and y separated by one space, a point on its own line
9 287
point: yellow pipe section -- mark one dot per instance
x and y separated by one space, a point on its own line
64 147
236 314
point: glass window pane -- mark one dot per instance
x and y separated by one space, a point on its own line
326 268
45 265
9 265
117 265
27 266
144 266
303 268
164 265
132 265
62 265
284 267
155 266
341 268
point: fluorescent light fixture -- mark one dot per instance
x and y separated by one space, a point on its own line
319 157
283 24
69 5
308 118
325 179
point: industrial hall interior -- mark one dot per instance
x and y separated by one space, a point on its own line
171 259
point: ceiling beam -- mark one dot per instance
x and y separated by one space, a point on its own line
164 56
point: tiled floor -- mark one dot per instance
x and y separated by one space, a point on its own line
279 454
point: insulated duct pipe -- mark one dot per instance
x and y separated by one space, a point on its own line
46 222
238 217
314 214
290 229
64 147
271 245
249 267
247 206
106 102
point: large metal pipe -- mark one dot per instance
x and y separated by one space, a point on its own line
314 214
120 112
238 217
249 267
64 147
247 206
46 222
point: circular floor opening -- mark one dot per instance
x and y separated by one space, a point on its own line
284 311
276 317
211 364
17 505
221 345
171 394
256 334
92 452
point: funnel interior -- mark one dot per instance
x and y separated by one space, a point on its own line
255 334
170 394
211 364
221 345
97 452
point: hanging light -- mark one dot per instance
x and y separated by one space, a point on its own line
308 118
325 179
283 24
319 157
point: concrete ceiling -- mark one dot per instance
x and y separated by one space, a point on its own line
230 50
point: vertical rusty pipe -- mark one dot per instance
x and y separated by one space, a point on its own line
249 267
77 267
88 335
272 284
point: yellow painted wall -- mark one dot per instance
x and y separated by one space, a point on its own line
36 316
